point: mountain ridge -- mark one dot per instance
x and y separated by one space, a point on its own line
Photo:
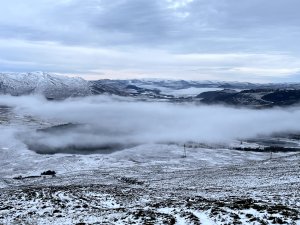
55 87
50 85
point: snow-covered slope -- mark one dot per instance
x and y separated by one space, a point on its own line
50 85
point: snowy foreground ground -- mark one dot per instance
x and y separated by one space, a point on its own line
221 187
147 184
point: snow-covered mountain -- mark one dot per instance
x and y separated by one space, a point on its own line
50 85
209 92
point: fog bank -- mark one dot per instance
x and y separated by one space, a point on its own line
103 121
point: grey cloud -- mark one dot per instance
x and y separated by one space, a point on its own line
91 22
144 22
262 13
134 26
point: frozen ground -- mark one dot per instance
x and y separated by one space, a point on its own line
150 184
191 192
147 184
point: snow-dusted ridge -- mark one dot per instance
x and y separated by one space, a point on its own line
49 85
54 86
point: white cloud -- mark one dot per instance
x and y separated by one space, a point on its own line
146 122
175 4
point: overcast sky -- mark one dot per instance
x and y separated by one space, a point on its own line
253 40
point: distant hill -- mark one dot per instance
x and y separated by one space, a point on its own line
53 86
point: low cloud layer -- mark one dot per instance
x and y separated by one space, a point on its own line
104 121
